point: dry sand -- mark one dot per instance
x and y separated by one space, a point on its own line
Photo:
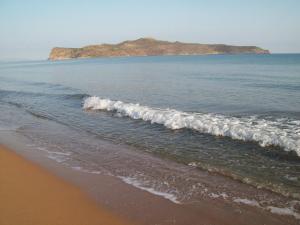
31 195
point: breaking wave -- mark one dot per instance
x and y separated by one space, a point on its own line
282 132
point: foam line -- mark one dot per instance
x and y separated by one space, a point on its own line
281 132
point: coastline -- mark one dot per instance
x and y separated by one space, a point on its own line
31 195
132 56
116 199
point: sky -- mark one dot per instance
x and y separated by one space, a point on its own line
29 29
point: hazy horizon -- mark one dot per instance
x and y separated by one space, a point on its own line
30 29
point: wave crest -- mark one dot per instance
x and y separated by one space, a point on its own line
281 132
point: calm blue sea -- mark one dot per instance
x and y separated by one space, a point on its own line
237 116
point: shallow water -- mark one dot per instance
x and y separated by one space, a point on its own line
235 115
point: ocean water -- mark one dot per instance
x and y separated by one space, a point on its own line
164 123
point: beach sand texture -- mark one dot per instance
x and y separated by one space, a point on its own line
31 195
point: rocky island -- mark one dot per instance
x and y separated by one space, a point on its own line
150 47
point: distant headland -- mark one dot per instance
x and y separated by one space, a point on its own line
150 47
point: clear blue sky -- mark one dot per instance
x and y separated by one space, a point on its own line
30 28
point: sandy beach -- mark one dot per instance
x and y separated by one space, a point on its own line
31 195
34 193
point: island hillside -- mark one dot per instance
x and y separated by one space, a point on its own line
150 47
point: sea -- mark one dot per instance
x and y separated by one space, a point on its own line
181 127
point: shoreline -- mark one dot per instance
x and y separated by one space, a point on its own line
117 197
32 195
139 206
142 56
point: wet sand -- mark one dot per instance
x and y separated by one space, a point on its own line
31 195
103 199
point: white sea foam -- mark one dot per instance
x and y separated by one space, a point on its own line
287 211
79 168
54 155
281 132
284 211
134 182
219 195
192 164
247 201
